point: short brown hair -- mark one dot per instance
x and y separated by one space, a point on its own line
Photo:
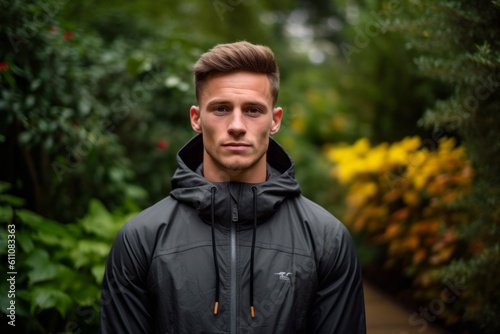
236 56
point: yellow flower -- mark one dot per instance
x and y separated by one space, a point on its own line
339 153
421 175
376 159
361 146
446 145
347 162
401 152
364 189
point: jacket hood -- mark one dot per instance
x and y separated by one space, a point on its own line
191 188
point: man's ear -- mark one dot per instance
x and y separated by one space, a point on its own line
194 114
276 123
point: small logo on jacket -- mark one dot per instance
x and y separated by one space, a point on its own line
284 276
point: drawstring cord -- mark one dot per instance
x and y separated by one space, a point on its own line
216 262
254 190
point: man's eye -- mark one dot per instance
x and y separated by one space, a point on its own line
220 109
253 110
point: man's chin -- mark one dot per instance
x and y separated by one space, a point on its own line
235 169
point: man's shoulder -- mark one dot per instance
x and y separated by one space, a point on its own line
151 218
315 215
323 226
313 209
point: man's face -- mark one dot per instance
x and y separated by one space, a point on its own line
236 117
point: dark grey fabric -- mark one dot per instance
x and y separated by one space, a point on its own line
160 275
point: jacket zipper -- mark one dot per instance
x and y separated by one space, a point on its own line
233 287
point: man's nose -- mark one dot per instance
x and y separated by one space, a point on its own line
237 123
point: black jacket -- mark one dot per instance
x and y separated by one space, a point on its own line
300 270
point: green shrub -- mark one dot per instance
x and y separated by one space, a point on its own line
457 42
59 266
81 111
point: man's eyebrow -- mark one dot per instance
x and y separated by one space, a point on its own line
255 103
218 101
228 102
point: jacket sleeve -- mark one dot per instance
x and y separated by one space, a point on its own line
339 302
126 306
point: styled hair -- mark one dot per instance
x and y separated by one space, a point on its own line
242 56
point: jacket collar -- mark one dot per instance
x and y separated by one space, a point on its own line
191 188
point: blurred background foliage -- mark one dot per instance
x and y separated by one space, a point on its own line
391 115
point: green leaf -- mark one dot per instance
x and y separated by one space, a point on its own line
42 268
84 106
49 142
12 200
117 174
53 239
35 84
24 138
44 298
89 251
98 272
133 65
6 213
48 231
25 242
4 186
30 101
100 221
87 295
136 192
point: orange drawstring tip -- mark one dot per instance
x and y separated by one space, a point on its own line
216 308
252 311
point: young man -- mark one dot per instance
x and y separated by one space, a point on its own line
235 248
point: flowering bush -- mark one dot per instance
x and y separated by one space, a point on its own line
402 196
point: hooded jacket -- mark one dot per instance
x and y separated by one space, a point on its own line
274 250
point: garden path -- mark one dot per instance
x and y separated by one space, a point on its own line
384 315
